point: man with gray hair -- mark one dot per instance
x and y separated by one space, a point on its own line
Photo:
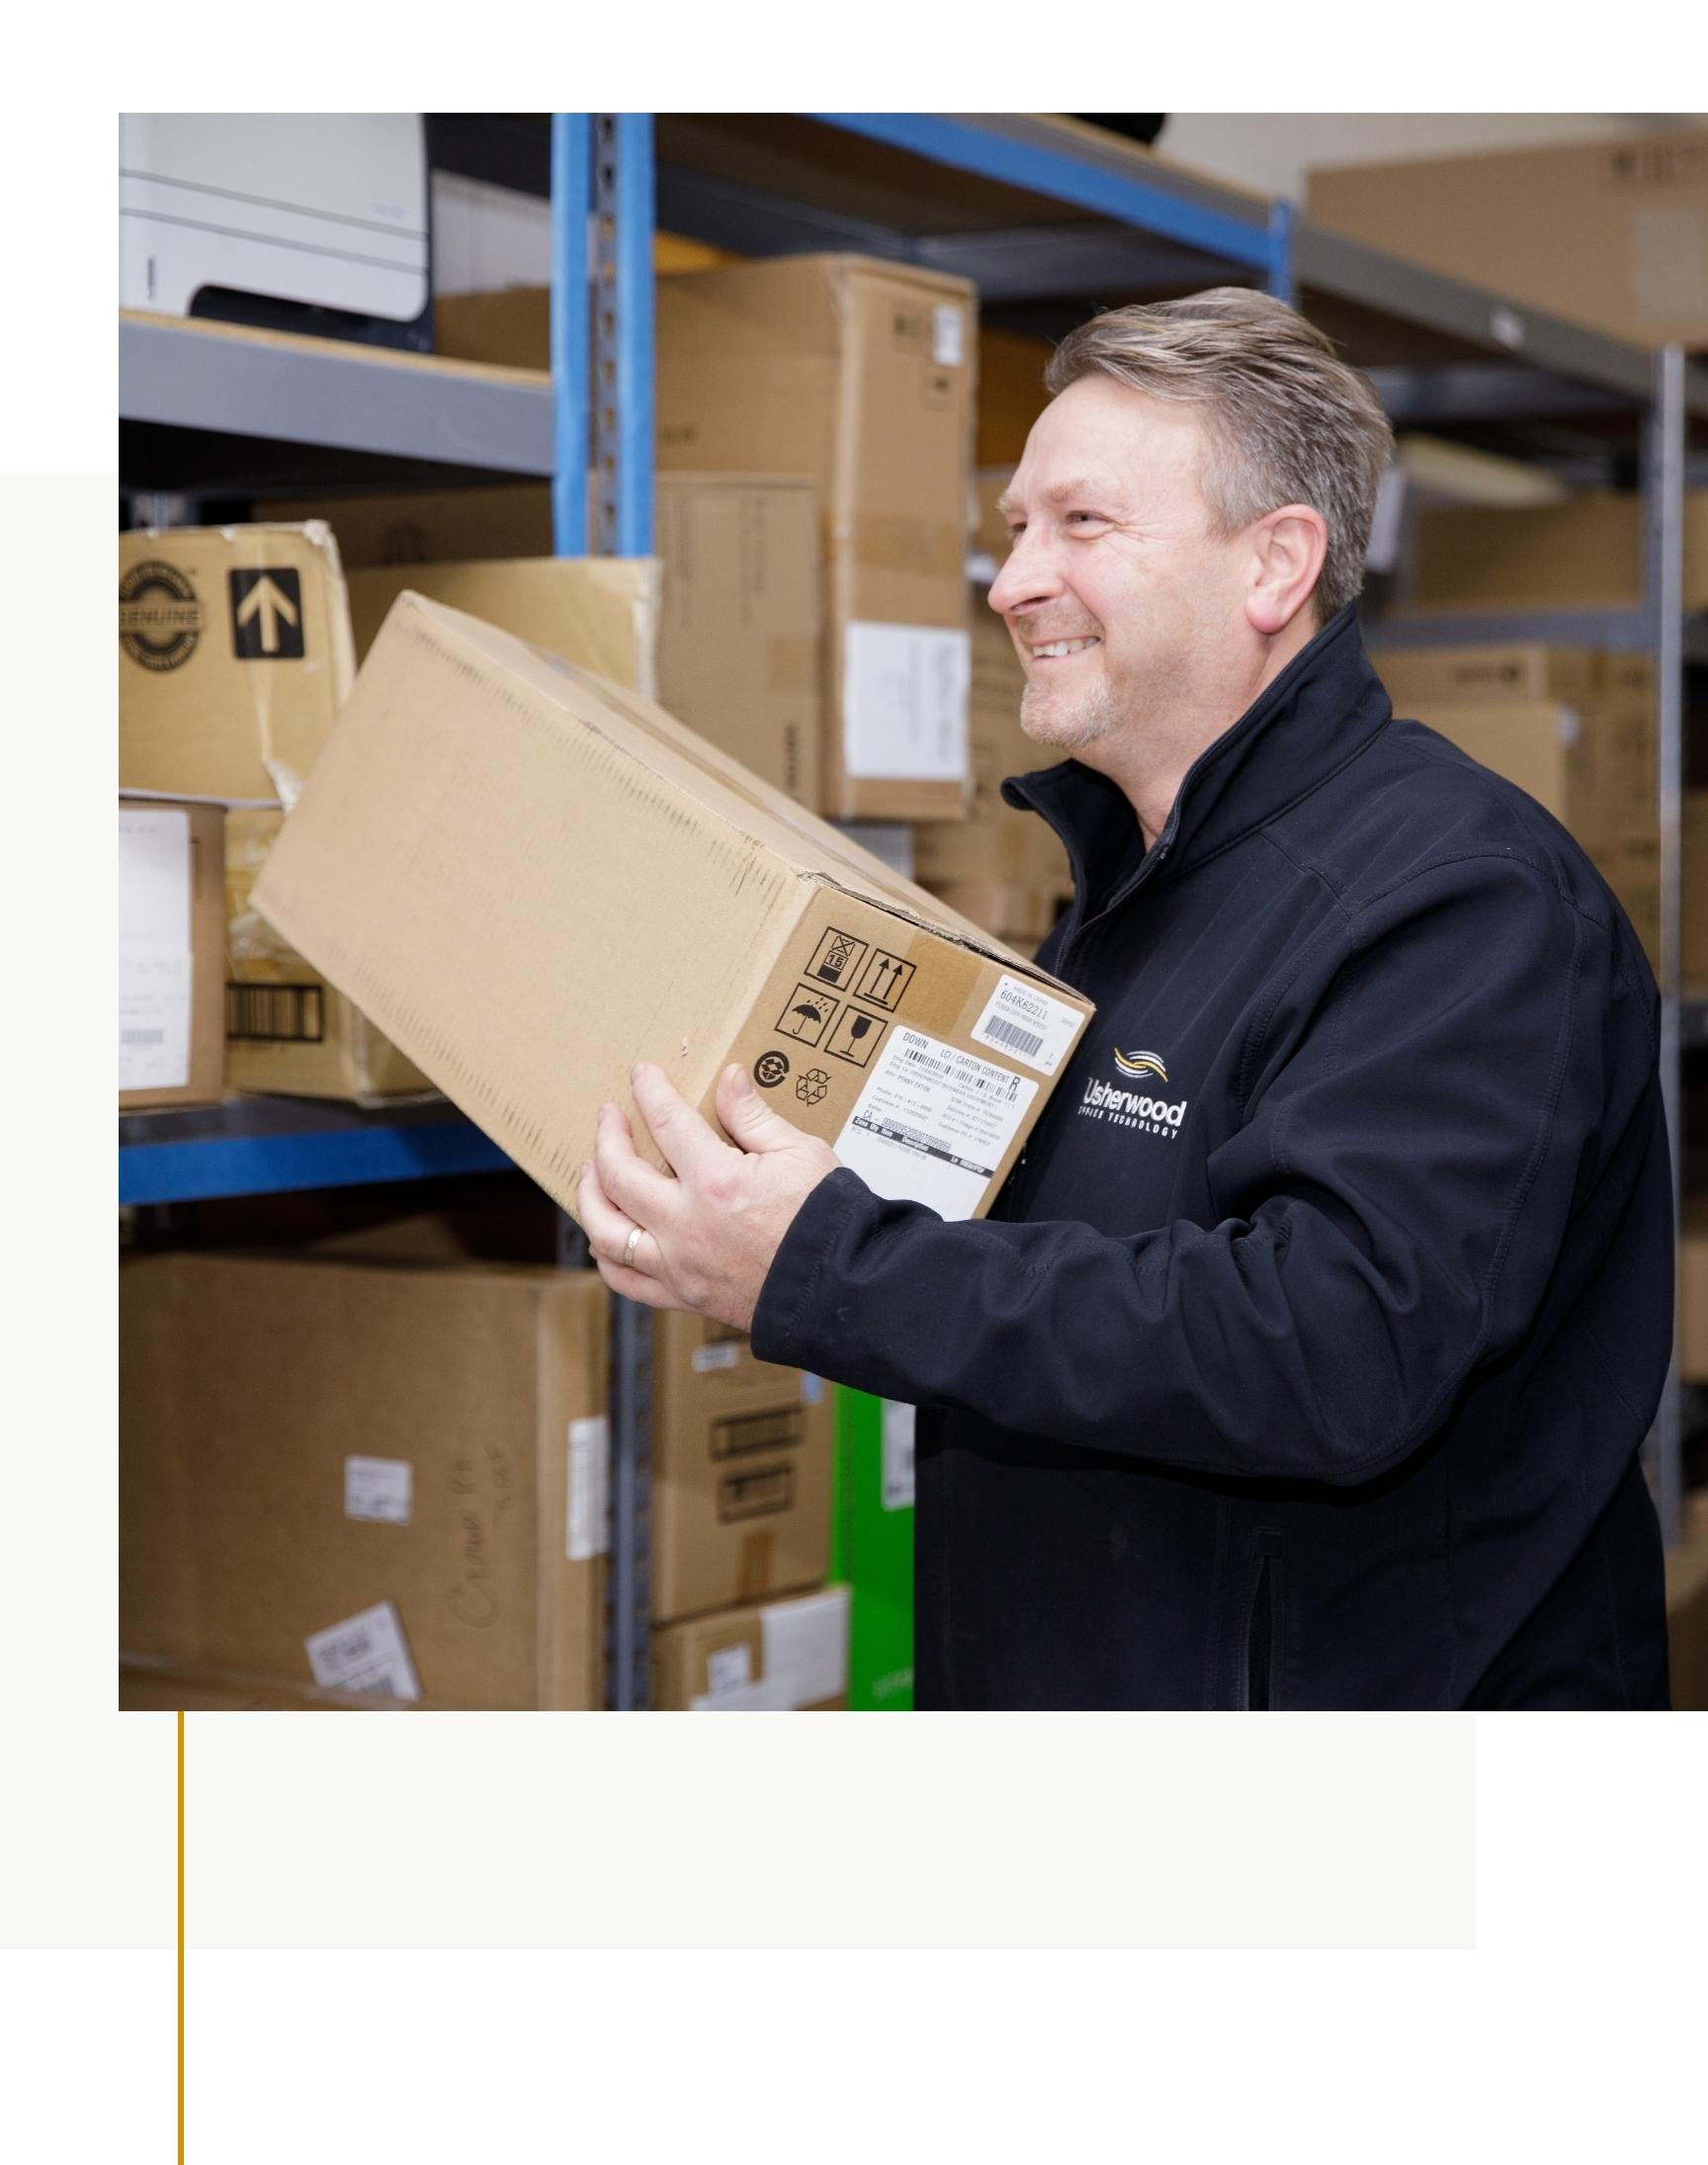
1305 1358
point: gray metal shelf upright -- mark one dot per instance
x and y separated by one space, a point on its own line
1042 211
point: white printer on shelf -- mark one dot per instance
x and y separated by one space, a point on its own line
314 221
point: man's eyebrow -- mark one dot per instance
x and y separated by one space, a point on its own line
1086 486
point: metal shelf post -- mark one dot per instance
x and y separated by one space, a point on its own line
572 173
1664 588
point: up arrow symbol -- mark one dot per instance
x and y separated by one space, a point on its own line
273 607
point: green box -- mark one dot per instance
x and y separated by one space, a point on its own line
871 1548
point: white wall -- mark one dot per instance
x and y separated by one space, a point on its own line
1271 152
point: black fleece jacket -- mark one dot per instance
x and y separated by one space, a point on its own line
1306 1356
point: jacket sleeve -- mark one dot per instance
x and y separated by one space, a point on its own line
1392 1189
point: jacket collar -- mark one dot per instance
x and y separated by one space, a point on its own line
1320 712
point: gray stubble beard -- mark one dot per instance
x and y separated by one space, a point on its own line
1082 725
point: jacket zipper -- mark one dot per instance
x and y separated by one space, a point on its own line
1260 1666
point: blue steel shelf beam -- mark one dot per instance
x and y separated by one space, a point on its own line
1042 158
199 1167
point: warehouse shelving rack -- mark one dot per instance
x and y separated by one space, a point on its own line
1046 215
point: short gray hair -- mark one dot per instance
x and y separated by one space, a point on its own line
1287 421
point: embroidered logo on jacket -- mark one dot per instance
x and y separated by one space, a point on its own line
1132 1108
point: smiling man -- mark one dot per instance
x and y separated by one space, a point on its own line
1305 1358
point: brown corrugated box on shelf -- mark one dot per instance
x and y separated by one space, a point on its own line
859 374
1583 555
784 1656
1612 233
737 625
149 1686
171 953
740 1471
365 1477
235 655
1693 1291
1693 852
1688 1609
532 879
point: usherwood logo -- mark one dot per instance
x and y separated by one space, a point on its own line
1128 1108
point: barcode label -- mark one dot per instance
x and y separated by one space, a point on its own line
364 1653
586 1530
381 1489
1028 1022
276 1015
934 1123
706 1361
141 1037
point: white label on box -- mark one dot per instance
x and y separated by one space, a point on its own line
904 690
586 1532
364 1653
897 1456
728 1669
812 1388
804 1653
1027 1023
1668 262
379 1488
155 973
706 1361
934 1123
948 339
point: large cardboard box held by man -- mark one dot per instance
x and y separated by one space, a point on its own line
729 646
1613 234
533 879
171 953
364 1477
860 373
741 1471
234 657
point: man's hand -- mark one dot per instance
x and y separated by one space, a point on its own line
702 1235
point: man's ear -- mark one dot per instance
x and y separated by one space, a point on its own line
1288 550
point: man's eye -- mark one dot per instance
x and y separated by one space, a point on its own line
1015 532
1095 517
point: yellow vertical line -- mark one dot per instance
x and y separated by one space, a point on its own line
180 1936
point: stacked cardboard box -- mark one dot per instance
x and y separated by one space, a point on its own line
780 1658
235 656
727 639
859 374
741 1469
1688 1609
1574 725
365 1477
1612 233
532 880
1586 554
171 953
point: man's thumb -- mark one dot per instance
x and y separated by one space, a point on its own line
747 1119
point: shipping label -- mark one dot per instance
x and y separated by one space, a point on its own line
1025 1022
364 1653
934 1123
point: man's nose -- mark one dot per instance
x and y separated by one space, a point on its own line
1027 578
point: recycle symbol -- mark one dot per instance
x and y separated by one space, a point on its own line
813 1087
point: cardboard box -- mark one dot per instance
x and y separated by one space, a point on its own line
532 879
730 647
601 612
738 642
1519 669
1583 555
741 1471
365 1477
1693 1291
1612 234
234 657
1693 911
783 1658
1011 394
1593 766
171 953
1630 863
994 845
1688 1609
859 374
152 1686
